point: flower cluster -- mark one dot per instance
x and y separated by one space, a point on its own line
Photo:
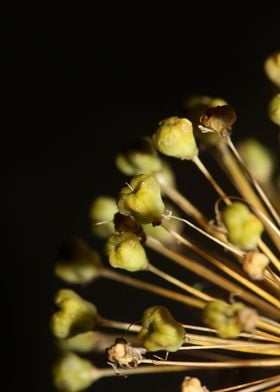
237 252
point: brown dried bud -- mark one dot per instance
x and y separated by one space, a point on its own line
219 119
255 264
126 223
122 354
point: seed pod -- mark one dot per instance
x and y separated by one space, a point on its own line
272 68
274 109
160 331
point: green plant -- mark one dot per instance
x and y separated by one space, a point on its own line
237 252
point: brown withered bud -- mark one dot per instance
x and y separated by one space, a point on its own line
125 223
219 119
122 354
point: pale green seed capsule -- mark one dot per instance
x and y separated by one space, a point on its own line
75 316
175 138
160 331
126 252
139 158
223 318
103 209
77 263
229 320
244 229
72 373
257 158
142 199
274 109
272 68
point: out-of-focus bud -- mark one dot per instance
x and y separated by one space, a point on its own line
160 331
272 68
229 320
244 229
142 199
72 373
77 262
75 316
273 109
103 209
257 158
126 252
175 138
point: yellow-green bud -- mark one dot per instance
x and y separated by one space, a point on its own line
160 331
274 109
224 318
139 158
83 342
72 373
75 315
243 227
175 138
257 158
272 68
142 199
125 251
103 209
77 263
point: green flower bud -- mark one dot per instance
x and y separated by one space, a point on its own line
125 251
272 68
77 263
274 109
142 200
257 159
160 331
175 138
83 342
75 315
229 320
243 227
72 373
103 209
139 158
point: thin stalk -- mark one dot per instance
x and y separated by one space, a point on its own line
266 362
259 383
110 372
152 288
169 278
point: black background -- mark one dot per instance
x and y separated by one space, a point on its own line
78 83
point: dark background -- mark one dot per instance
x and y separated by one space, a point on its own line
78 83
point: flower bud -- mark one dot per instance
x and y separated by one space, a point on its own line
244 229
257 158
75 315
175 138
192 384
142 199
77 262
103 209
219 119
160 331
274 109
139 158
229 320
72 373
272 68
126 252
